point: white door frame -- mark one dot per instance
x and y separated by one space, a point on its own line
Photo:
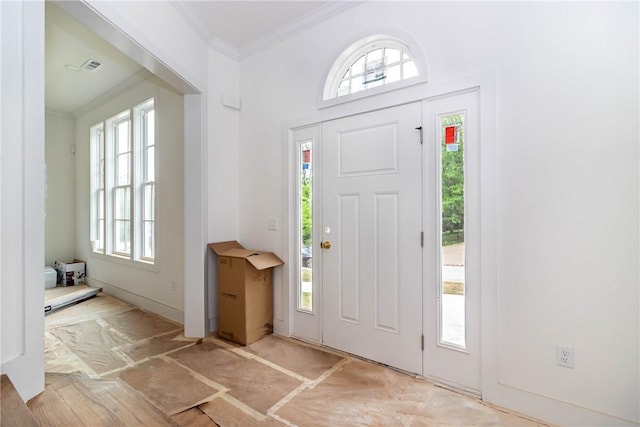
22 194
23 357
485 84
196 322
446 363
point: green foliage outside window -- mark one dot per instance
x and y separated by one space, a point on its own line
306 211
453 186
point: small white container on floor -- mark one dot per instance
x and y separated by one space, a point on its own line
50 277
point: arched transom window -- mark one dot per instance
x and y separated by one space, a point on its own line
373 62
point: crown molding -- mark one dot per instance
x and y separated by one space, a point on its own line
192 20
296 26
101 99
225 48
58 113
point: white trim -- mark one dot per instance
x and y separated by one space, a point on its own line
405 95
139 46
23 194
60 114
309 321
324 103
225 48
449 385
102 99
300 24
125 260
87 14
161 309
200 28
195 215
441 358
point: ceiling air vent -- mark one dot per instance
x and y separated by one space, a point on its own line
91 65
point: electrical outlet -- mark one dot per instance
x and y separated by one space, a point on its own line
173 285
564 356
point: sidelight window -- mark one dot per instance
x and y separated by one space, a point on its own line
452 209
305 288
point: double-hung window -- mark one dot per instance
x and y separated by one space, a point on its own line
123 171
146 116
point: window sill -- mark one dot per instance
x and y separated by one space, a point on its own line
126 262
325 103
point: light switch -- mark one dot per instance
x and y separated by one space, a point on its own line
272 224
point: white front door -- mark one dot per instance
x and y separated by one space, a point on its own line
372 220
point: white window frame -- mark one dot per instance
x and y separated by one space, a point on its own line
143 178
112 184
349 64
361 47
105 221
97 184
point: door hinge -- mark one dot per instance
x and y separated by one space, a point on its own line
422 342
422 239
420 129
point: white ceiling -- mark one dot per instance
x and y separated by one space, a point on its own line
241 28
68 42
238 28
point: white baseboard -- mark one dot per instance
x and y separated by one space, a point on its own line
148 304
548 409
213 324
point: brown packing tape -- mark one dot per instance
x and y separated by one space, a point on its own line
136 324
256 385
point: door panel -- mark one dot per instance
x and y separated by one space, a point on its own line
387 249
348 258
451 254
372 201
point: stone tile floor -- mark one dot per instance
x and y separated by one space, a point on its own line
275 381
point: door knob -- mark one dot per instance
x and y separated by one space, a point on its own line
325 245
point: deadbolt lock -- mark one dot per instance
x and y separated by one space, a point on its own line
325 245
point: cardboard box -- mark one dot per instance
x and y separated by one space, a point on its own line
70 273
245 292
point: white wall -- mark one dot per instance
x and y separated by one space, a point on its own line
223 163
59 225
567 178
159 289
178 56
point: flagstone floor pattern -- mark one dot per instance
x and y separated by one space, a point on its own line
273 382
